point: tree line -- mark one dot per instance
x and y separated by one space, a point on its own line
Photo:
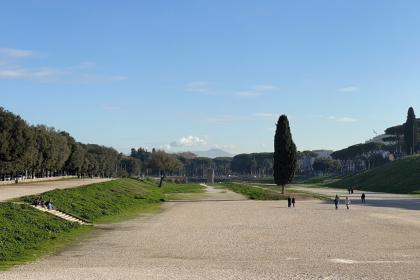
41 151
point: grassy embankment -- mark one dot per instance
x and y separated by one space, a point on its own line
26 233
267 192
400 176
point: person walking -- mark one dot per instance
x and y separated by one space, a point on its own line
349 190
293 201
336 200
363 198
289 202
348 202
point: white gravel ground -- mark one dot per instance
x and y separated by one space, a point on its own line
244 240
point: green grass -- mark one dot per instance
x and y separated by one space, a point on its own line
401 176
299 194
104 201
252 192
182 188
26 233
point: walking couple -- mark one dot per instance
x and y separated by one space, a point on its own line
291 201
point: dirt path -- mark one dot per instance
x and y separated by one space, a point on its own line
17 190
243 240
221 194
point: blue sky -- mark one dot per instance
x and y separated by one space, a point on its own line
191 75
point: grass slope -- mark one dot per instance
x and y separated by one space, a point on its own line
26 233
401 176
100 202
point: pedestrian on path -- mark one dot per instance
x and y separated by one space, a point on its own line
348 202
352 190
293 201
336 200
363 198
289 202
349 190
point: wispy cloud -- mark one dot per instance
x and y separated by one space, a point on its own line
27 73
15 53
343 119
227 119
11 67
208 88
348 89
264 87
266 115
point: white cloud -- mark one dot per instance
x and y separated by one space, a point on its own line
224 119
264 87
267 115
11 68
189 141
343 119
348 89
26 73
15 53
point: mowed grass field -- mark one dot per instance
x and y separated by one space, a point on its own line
268 192
26 233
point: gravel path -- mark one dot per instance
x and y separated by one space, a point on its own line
244 240
17 190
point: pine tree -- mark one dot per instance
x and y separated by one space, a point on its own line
410 132
284 154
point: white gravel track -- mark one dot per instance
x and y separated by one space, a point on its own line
243 240
17 190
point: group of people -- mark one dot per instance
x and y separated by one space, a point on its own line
347 201
44 204
291 201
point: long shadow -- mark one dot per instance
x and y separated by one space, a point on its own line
207 200
407 204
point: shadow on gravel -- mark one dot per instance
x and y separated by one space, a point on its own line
208 200
407 204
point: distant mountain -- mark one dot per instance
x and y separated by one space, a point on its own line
213 153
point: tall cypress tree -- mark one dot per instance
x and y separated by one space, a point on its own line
284 154
410 132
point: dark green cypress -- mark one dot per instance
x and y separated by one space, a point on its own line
410 132
284 154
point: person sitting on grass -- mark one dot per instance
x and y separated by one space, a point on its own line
50 206
36 201
42 204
